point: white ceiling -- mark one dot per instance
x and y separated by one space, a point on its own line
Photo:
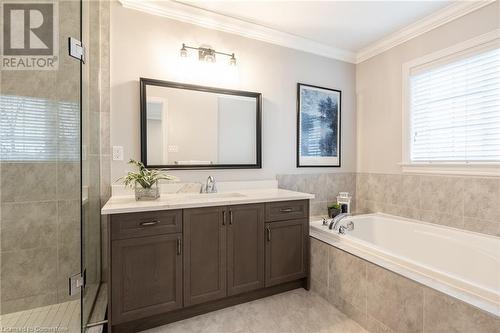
347 25
348 30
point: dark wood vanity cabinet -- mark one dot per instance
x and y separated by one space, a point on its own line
204 255
245 248
147 276
170 265
286 251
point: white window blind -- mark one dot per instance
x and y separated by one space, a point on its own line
455 111
38 129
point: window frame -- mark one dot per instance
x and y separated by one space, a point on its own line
457 168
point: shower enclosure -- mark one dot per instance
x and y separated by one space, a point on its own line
51 156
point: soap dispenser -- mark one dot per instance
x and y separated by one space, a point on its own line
344 200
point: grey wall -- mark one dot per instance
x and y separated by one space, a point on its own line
151 49
379 88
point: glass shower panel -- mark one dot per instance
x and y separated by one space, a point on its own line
40 196
91 205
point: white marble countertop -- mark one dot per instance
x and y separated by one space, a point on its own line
128 204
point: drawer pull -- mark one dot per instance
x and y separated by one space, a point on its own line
148 224
230 217
224 217
179 246
286 210
268 233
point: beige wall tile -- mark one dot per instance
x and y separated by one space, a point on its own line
410 191
391 193
482 226
482 198
376 184
443 313
347 277
362 186
442 194
28 225
375 326
68 180
28 181
319 267
23 303
353 312
437 217
27 273
393 300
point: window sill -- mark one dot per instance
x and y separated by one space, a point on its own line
461 169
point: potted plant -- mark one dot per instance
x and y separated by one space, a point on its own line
145 181
334 210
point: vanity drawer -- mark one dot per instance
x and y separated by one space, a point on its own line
145 224
287 210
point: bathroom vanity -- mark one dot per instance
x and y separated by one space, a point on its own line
187 254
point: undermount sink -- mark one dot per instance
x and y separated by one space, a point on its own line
215 195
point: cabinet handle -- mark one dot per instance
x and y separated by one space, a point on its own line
223 217
148 224
230 217
268 233
286 210
179 246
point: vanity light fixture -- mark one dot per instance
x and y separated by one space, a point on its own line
207 54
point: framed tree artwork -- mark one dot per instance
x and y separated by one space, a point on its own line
318 126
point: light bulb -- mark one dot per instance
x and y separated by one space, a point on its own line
184 52
232 60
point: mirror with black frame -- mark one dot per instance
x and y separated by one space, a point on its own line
187 126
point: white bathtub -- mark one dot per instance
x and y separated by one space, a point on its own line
462 264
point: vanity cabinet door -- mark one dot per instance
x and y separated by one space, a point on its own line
245 248
204 254
146 276
286 251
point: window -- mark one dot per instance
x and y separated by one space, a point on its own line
453 108
38 129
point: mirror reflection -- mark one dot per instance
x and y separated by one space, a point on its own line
191 128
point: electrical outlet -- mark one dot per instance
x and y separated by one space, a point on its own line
173 149
117 153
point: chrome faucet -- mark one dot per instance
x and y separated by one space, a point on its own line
336 220
209 186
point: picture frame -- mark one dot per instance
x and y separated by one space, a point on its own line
318 126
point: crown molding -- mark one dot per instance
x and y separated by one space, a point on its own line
426 24
211 20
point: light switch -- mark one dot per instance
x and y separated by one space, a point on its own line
117 153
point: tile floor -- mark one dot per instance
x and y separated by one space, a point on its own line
60 317
294 311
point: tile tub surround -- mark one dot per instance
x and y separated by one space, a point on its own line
324 186
464 202
382 301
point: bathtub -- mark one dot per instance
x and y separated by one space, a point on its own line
462 264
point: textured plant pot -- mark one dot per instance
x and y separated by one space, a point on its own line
143 194
332 212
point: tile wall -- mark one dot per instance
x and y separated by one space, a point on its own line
325 186
471 203
40 201
382 301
